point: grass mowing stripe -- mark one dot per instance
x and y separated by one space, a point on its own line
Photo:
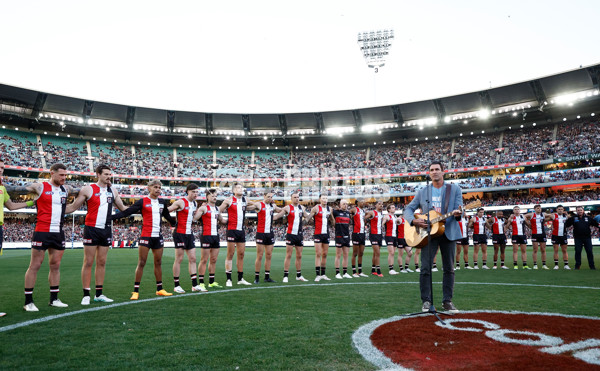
87 310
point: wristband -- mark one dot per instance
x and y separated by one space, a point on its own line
30 203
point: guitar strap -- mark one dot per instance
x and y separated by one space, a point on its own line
447 199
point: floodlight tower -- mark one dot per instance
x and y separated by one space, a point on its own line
375 47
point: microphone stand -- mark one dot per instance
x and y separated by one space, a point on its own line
432 309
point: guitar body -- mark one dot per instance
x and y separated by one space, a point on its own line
417 237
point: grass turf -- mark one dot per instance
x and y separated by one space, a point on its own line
267 326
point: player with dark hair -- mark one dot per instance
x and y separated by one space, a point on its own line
323 216
293 239
97 233
265 238
536 221
183 237
462 245
478 223
516 224
342 238
496 224
403 246
211 217
390 223
559 235
375 217
51 204
236 207
153 210
358 237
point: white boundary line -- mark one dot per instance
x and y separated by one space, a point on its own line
361 338
222 291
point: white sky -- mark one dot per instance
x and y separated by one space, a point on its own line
284 56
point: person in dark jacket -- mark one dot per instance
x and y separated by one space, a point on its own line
582 234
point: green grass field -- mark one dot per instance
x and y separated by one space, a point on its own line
305 326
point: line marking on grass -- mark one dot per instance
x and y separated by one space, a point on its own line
223 291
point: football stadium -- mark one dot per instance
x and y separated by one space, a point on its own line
305 186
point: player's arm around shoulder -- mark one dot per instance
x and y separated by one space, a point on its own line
282 213
224 205
84 194
118 201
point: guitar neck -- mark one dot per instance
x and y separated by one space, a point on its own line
440 218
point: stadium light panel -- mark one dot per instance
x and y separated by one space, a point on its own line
339 130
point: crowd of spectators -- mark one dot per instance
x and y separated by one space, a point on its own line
338 159
270 164
422 153
576 139
526 145
234 165
479 150
389 157
19 149
22 148
194 164
72 153
154 162
119 158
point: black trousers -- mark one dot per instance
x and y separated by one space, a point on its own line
448 251
587 244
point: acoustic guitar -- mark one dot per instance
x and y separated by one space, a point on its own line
417 237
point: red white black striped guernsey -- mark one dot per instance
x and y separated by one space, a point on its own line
294 219
99 207
51 207
498 226
210 221
152 211
517 226
359 221
235 214
537 224
558 225
376 223
322 220
400 221
265 218
462 224
185 217
390 226
478 225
